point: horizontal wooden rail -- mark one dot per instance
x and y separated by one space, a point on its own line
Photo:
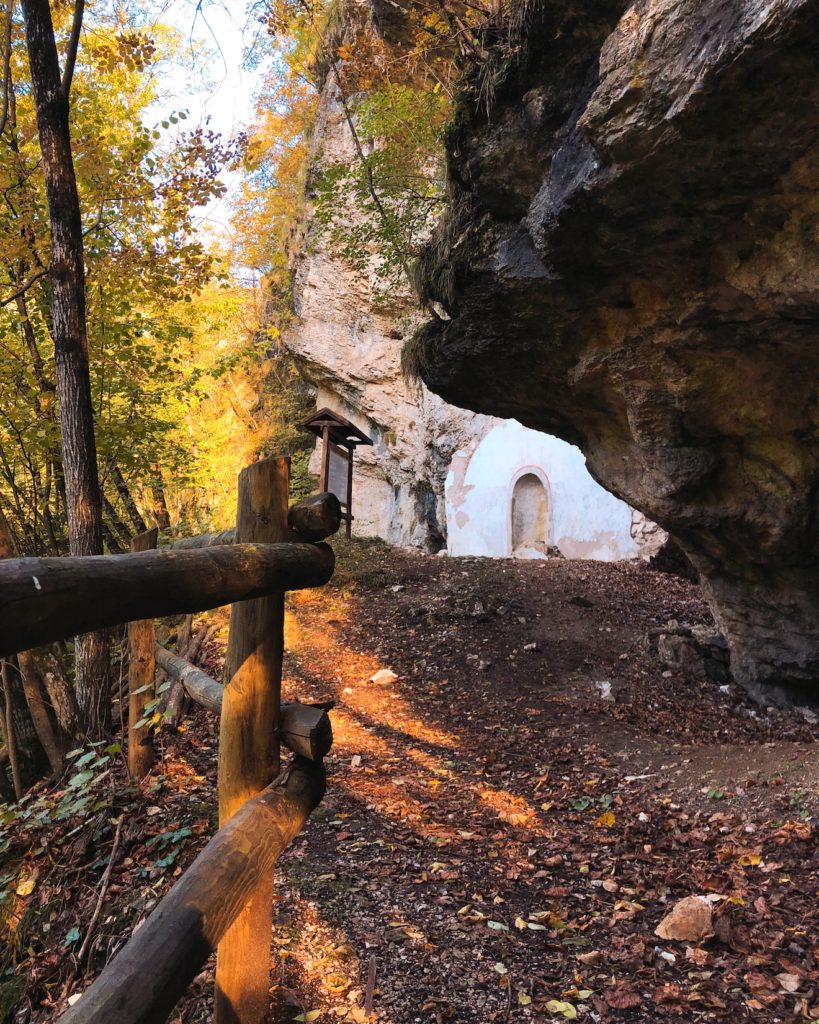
312 519
46 599
145 979
315 518
303 728
205 540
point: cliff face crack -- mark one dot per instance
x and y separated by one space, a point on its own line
630 260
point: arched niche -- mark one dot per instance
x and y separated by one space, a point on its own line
529 516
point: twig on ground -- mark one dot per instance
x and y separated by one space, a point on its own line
106 881
368 995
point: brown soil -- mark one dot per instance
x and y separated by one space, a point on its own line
468 801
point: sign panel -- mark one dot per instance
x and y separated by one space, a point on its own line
338 471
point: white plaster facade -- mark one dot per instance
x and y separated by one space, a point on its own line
583 520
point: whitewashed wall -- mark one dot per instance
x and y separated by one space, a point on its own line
585 521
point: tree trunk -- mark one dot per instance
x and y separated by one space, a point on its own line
7 794
32 683
68 325
25 753
163 519
111 542
36 700
63 701
118 527
127 498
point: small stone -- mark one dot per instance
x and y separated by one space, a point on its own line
383 677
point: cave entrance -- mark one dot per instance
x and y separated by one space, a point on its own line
530 517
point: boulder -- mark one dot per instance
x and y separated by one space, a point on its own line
629 262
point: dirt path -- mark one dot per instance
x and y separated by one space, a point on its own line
500 842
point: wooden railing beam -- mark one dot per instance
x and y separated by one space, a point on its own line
47 599
150 973
311 519
303 728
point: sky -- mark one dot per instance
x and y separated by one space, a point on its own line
219 87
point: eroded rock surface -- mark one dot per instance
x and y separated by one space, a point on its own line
630 262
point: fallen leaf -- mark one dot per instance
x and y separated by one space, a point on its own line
690 920
622 997
566 1009
26 887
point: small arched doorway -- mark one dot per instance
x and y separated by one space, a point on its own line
530 517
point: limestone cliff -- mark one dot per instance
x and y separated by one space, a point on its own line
629 262
347 340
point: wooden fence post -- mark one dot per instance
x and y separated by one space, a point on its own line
248 740
141 672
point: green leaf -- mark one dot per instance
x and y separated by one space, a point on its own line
72 937
80 779
310 1015
498 926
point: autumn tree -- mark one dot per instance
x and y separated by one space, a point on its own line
51 89
101 376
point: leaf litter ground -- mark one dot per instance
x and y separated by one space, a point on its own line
502 832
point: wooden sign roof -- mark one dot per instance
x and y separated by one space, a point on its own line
341 431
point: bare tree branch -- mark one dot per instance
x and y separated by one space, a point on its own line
73 47
24 288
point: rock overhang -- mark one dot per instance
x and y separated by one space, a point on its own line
657 300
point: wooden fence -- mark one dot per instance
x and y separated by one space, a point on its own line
224 899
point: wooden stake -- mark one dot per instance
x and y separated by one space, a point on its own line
141 671
248 740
